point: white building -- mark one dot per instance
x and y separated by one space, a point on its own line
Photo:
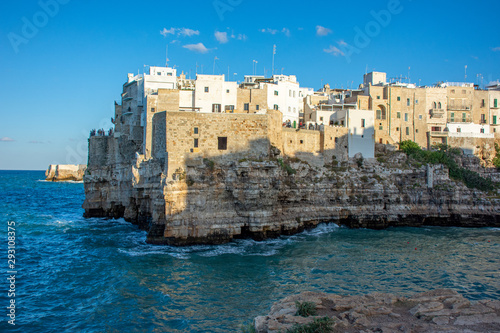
214 94
286 95
470 130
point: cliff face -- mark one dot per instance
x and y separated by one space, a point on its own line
65 172
212 201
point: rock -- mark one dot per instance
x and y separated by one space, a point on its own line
65 172
367 314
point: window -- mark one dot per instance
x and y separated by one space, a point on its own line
152 109
301 141
320 118
246 106
495 103
419 117
216 108
195 130
416 101
222 142
294 94
158 73
406 116
482 103
227 91
452 91
362 123
169 74
257 107
195 143
378 97
398 115
206 89
464 117
336 140
397 129
434 105
289 109
408 102
483 118
230 108
289 93
407 131
276 93
399 99
482 130
379 114
452 117
459 130
380 140
494 120
294 110
439 105
464 92
276 107
381 128
416 131
436 129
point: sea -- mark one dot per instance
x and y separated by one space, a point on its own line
73 274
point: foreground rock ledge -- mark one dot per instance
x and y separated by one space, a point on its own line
441 310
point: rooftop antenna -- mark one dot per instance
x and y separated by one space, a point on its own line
366 70
465 73
274 52
409 74
215 58
196 68
166 63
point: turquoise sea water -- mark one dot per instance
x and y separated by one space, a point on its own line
96 275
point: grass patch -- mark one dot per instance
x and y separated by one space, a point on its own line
320 325
445 155
305 309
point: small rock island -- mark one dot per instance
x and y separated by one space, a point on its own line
65 172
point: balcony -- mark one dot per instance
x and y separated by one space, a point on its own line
459 107
436 113
440 134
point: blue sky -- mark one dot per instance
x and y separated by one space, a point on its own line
62 77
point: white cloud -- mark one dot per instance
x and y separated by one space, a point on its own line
179 32
322 31
188 32
242 37
286 31
166 32
6 139
200 48
333 50
496 49
342 42
269 31
221 37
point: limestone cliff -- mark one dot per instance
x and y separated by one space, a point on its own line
214 201
65 172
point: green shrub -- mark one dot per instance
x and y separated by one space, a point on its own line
496 159
320 325
443 154
289 170
305 309
209 163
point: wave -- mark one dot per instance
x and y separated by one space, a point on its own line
61 182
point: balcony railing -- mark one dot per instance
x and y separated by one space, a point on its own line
439 133
460 107
436 113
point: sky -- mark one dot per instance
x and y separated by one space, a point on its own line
64 61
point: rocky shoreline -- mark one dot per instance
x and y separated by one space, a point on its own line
441 310
212 202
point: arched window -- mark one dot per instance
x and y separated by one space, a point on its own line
434 106
439 105
381 112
